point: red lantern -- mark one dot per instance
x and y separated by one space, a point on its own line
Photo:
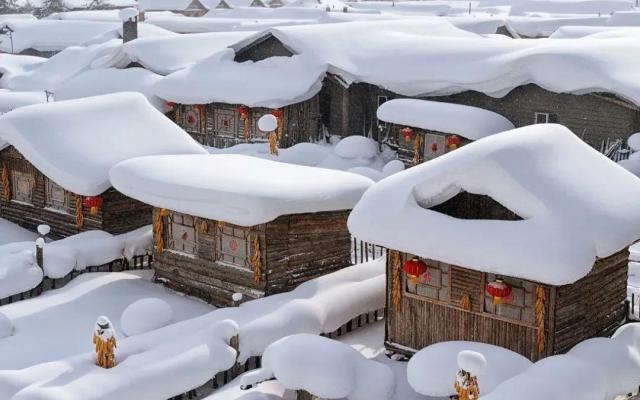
407 134
93 203
243 111
414 268
453 142
499 290
278 113
170 105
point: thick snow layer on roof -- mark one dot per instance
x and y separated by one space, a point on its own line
481 25
575 32
165 55
10 232
470 122
96 82
88 15
570 198
593 7
210 186
51 35
51 74
432 370
10 100
76 142
325 368
545 26
170 5
183 24
13 63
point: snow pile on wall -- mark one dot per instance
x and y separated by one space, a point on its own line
325 368
11 100
317 306
596 369
6 327
76 142
537 172
164 55
210 186
432 370
356 154
102 81
19 271
470 122
51 35
10 232
145 315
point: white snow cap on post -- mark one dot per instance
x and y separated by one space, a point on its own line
470 122
127 14
575 204
237 189
75 143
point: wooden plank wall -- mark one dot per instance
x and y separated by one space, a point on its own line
121 214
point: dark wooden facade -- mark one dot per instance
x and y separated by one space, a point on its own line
220 125
213 260
39 200
454 303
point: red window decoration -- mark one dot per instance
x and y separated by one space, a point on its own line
191 119
185 236
415 269
499 291
453 142
434 147
225 122
407 134
93 203
233 245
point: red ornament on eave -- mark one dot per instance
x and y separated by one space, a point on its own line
93 203
407 133
499 290
243 111
413 268
170 105
453 142
278 113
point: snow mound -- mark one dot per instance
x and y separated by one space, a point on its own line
267 123
18 269
325 368
145 315
49 136
632 164
472 362
470 122
560 235
432 370
209 186
634 141
6 327
356 147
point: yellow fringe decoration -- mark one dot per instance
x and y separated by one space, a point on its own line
540 309
203 227
105 351
158 229
246 129
465 302
256 260
6 183
280 129
396 270
417 148
79 214
273 143
220 225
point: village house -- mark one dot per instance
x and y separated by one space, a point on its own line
488 244
55 169
226 224
188 8
421 130
353 75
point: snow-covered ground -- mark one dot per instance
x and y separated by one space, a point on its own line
10 232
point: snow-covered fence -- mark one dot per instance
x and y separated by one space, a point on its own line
615 149
362 251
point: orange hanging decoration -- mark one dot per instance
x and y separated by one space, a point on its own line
6 183
465 302
79 213
203 227
417 147
158 229
104 341
273 143
256 260
540 310
396 271
279 114
244 113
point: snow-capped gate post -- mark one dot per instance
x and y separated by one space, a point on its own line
129 17
43 231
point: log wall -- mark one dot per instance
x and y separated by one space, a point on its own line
294 249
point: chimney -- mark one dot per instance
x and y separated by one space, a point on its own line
129 17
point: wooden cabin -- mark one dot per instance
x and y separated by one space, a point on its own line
28 198
466 265
253 226
188 8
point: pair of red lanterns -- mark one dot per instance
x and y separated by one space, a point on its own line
93 203
415 268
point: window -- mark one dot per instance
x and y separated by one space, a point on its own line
181 233
518 306
381 101
224 122
434 146
56 197
22 187
233 245
434 284
545 118
192 118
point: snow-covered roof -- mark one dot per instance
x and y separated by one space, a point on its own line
434 59
544 26
95 82
51 35
76 142
567 7
470 122
576 205
170 5
234 188
10 100
165 55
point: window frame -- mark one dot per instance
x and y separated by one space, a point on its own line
443 288
527 307
15 184
171 242
49 201
222 256
549 118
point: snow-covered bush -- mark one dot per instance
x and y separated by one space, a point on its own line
356 147
6 326
145 315
325 368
